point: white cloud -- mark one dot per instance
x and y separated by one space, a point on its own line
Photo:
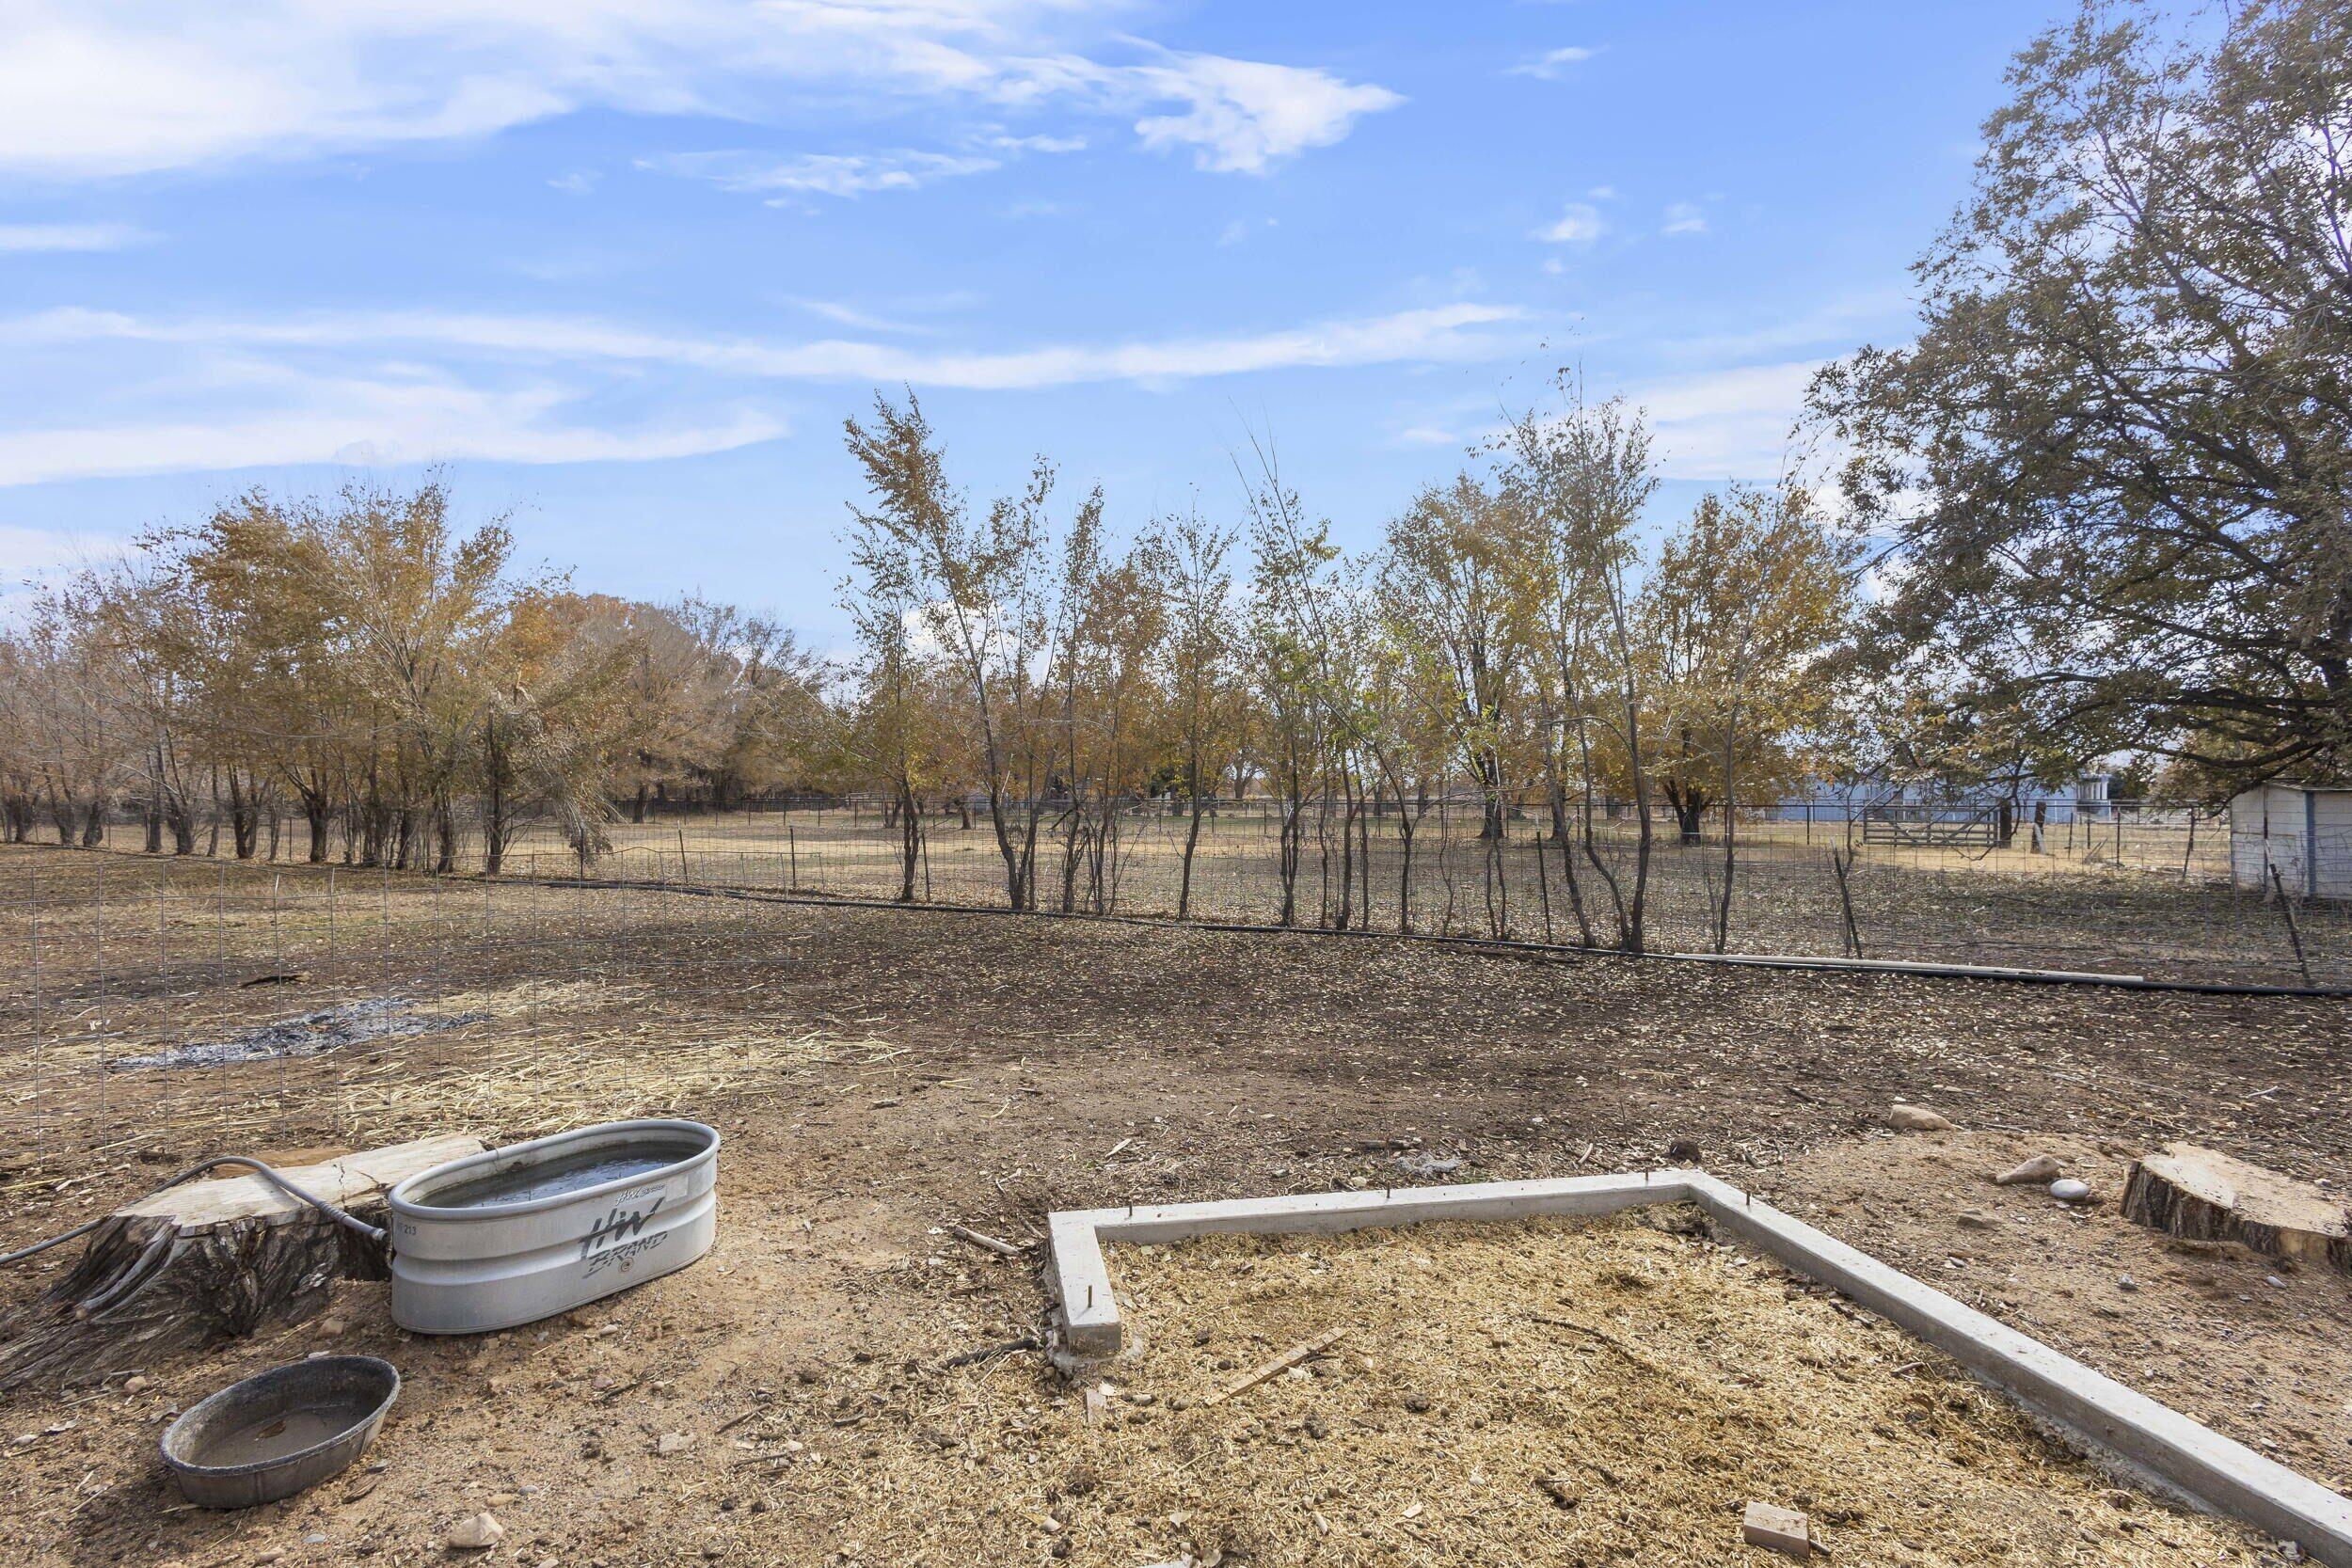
35 551
202 394
1842 325
1244 116
851 316
1449 332
98 88
577 183
365 420
839 174
1726 424
1425 436
1580 224
1553 64
1683 217
19 238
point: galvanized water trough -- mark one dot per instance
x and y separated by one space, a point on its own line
524 1232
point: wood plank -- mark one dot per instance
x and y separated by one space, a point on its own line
1277 1367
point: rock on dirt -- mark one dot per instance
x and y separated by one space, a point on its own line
2033 1173
1779 1529
1917 1118
477 1532
2070 1190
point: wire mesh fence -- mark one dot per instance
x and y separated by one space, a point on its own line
360 1007
200 1002
2146 891
2156 889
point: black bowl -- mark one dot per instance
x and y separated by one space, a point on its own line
279 1432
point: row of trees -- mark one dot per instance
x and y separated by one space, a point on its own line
361 667
1509 640
2111 482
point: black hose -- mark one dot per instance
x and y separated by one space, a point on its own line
1541 951
350 1222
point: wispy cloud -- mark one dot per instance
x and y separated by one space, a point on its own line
852 317
100 87
577 183
1553 64
1243 117
1683 217
208 394
1446 332
836 174
1834 327
1578 224
1727 424
368 421
23 238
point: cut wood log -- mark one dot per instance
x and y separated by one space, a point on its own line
206 1260
2208 1197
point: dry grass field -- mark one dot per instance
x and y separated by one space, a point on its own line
879 1073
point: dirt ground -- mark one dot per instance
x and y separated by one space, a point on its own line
1605 1393
877 1074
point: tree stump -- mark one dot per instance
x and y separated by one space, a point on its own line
209 1259
2198 1194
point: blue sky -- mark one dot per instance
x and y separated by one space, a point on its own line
622 267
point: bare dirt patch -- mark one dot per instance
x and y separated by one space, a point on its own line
879 1073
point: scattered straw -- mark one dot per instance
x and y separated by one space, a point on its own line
1554 1393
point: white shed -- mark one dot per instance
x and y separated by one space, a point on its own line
2305 831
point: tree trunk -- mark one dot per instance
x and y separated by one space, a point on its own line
194 1263
1731 802
910 841
314 813
1192 843
2195 1193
